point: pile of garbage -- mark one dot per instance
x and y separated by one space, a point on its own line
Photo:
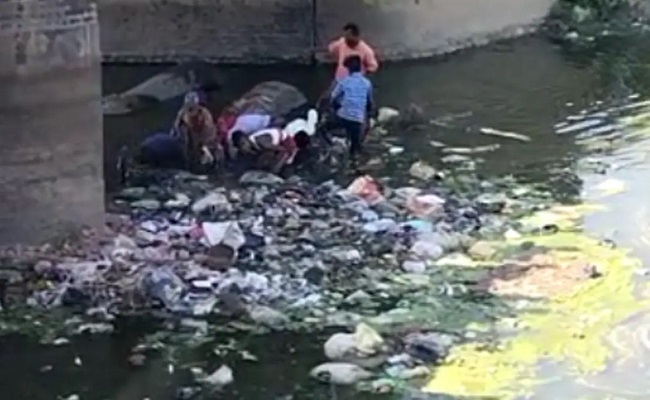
181 245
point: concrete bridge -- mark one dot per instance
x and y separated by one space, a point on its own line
51 179
298 30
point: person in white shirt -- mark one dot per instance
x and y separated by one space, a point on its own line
249 124
271 148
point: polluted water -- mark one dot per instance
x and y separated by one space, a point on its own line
418 275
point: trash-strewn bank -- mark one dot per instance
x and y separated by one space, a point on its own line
412 281
275 254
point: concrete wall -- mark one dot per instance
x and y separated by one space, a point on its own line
51 158
296 30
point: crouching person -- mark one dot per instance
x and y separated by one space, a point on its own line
161 150
164 151
272 149
195 128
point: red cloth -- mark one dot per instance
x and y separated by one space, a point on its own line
224 123
289 144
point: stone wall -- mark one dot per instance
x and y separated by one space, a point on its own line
296 30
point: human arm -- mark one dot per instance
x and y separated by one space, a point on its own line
370 63
335 96
177 125
282 160
333 48
272 155
230 149
266 143
370 104
209 138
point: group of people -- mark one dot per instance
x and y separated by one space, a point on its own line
261 141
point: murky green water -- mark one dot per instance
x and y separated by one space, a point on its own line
526 86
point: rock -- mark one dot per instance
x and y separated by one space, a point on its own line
260 178
482 250
422 170
431 347
414 266
268 317
147 204
340 373
219 378
387 114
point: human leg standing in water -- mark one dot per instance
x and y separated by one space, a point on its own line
352 100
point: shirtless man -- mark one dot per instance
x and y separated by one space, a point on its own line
351 44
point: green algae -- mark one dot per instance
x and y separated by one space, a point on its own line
568 328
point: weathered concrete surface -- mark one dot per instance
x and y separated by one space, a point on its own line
295 30
219 30
51 180
51 158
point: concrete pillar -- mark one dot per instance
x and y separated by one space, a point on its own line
51 155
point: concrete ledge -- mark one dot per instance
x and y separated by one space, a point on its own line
297 31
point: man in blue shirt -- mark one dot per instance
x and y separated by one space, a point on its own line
352 100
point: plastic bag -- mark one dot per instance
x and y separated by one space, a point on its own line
223 233
426 205
366 188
